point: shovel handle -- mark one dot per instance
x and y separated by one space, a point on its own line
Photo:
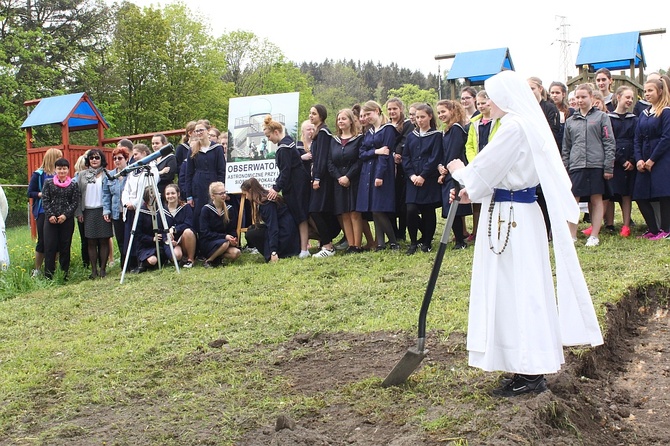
451 216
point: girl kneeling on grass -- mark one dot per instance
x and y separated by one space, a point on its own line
218 228
276 232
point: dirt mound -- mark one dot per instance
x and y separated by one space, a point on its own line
615 394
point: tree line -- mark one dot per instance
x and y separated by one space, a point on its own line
153 68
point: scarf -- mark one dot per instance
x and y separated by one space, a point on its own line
91 174
63 184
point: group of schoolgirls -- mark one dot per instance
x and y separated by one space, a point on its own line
617 151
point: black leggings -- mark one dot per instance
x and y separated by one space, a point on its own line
647 211
421 217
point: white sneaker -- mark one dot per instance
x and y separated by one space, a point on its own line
36 273
304 254
325 253
592 241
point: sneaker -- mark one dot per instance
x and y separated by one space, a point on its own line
587 231
188 264
625 231
36 273
459 245
425 247
412 249
394 247
647 235
611 229
521 384
353 250
592 241
325 252
304 254
343 245
660 236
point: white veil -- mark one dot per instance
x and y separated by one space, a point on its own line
578 321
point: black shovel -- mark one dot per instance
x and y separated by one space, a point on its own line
415 355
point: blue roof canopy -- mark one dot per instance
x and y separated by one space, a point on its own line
477 66
612 51
76 110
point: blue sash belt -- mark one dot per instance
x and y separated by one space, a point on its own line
517 196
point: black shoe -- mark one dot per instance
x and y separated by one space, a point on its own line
138 269
412 249
353 250
425 247
611 229
521 384
380 248
587 218
207 265
394 247
459 245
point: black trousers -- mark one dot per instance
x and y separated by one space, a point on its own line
57 239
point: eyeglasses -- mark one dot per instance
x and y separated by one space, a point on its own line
200 130
94 157
119 158
466 98
213 135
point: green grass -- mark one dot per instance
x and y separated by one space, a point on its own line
136 354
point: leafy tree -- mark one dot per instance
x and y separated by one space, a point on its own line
409 94
248 60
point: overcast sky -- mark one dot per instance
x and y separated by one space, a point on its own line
412 33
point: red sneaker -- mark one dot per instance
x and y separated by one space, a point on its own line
587 231
625 231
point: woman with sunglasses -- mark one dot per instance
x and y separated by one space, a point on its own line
97 229
112 210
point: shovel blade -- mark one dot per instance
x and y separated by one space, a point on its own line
405 367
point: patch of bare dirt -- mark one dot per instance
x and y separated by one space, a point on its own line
616 394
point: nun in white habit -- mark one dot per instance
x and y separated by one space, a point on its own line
519 319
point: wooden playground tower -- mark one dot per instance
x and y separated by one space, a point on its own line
72 113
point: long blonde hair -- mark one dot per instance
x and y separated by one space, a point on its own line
49 160
214 185
197 144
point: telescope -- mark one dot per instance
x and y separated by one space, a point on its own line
164 151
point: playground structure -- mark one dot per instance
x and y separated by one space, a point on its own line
621 51
72 112
474 67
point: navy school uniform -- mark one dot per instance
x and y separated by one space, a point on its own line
144 236
652 141
181 220
293 180
623 128
370 197
453 147
213 229
343 161
422 154
281 233
182 154
203 169
321 199
169 161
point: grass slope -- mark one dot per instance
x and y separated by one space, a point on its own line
137 355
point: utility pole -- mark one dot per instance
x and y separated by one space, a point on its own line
565 57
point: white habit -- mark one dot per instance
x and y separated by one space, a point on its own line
516 323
